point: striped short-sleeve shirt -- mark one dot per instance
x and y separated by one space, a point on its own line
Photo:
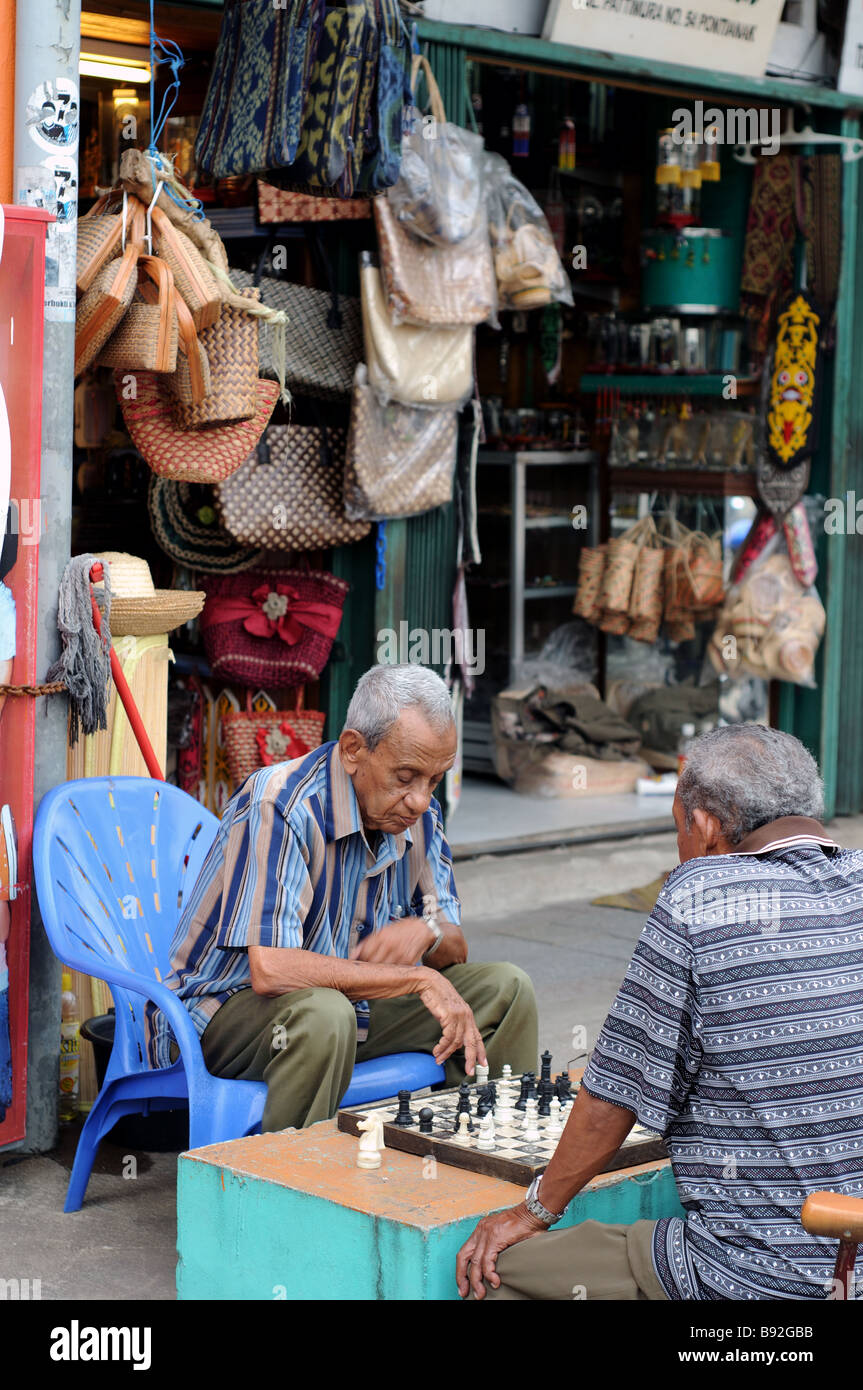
738 1035
291 866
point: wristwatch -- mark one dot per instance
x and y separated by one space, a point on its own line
438 937
535 1207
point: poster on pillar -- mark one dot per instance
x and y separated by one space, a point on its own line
50 183
720 35
23 233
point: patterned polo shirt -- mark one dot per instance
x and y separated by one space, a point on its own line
738 1035
291 866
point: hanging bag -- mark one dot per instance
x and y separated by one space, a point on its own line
272 628
392 94
193 278
400 459
258 738
416 366
146 339
231 345
329 120
289 494
100 236
103 307
191 383
435 286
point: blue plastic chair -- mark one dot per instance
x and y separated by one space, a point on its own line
114 859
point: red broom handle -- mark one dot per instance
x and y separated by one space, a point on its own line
125 694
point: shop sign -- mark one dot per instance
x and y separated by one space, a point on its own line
720 35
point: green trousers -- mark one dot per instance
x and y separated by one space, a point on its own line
592 1261
304 1044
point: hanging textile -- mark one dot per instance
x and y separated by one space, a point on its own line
768 251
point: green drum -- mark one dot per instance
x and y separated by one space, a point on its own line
695 270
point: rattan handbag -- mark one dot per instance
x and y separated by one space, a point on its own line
272 628
192 276
190 456
104 306
258 738
100 236
289 494
231 345
146 338
435 286
400 459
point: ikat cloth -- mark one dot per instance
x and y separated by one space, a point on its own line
738 1035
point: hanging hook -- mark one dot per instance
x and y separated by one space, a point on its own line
125 205
159 186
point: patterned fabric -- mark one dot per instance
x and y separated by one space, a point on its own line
820 185
400 458
291 867
282 205
320 355
768 252
738 1035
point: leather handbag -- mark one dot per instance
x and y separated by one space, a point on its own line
400 459
434 286
417 366
271 628
289 494
324 340
146 338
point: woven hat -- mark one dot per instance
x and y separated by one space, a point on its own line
138 609
186 526
189 456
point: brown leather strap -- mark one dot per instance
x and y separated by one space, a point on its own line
833 1214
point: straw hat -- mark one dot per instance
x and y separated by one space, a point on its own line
138 609
185 525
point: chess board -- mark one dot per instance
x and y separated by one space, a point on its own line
513 1159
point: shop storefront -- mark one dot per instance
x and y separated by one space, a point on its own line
605 403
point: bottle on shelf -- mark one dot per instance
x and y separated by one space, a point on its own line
70 1051
566 145
687 738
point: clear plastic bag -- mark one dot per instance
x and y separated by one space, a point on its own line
770 625
529 270
438 195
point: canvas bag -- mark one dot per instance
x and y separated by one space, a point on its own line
289 494
417 366
400 459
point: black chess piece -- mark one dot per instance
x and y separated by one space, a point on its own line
484 1102
524 1092
563 1088
426 1118
464 1107
546 1091
532 1090
403 1116
545 1071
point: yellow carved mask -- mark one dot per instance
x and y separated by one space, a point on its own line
793 380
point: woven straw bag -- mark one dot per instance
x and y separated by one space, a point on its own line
231 345
289 494
272 628
400 459
191 382
191 456
324 342
104 306
146 338
192 276
100 236
587 603
435 286
258 738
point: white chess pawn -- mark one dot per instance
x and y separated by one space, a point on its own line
555 1123
486 1132
506 1074
463 1134
530 1128
481 1075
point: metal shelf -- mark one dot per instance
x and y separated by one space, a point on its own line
551 591
658 384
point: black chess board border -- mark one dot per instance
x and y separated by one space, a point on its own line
488 1163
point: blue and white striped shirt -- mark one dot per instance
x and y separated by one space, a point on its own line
738 1035
291 866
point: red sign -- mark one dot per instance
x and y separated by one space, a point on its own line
22 293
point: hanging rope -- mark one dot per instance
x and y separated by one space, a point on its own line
166 53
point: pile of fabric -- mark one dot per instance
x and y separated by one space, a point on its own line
563 742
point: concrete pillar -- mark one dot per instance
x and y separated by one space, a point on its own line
47 45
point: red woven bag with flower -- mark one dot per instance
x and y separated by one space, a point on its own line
272 628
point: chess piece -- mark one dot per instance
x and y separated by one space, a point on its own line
545 1070
426 1118
555 1124
530 1129
506 1074
503 1112
563 1088
404 1116
371 1141
486 1132
481 1074
524 1092
464 1107
462 1134
546 1091
483 1104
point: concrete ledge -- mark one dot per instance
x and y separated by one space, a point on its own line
290 1216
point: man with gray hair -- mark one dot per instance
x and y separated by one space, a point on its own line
324 927
737 1034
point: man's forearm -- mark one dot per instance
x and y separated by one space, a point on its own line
452 949
279 970
594 1132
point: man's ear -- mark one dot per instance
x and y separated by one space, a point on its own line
708 829
352 747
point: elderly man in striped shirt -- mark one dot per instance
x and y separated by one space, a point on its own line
324 928
738 1035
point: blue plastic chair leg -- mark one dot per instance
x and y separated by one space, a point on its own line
88 1146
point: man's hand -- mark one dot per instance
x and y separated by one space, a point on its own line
477 1259
398 943
458 1025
